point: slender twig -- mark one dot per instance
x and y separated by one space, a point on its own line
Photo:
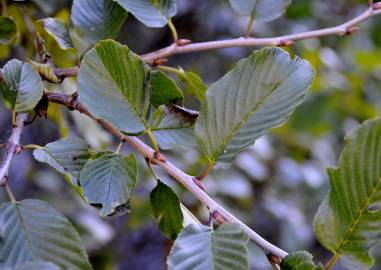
13 146
285 40
183 178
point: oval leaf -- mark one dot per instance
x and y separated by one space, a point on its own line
58 30
347 223
8 30
198 247
299 260
67 156
21 86
153 13
113 85
32 230
164 90
108 182
104 21
260 10
166 209
260 93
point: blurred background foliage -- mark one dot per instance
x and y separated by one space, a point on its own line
275 186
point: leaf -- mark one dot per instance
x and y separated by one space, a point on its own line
260 93
164 90
59 31
188 217
153 13
113 85
67 156
46 71
348 222
166 209
299 260
260 10
95 20
21 86
198 247
8 30
173 127
194 84
108 181
38 265
32 230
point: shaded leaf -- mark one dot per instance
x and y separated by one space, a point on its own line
95 20
197 247
8 30
67 156
108 181
32 230
39 265
21 86
299 260
260 93
113 85
153 13
179 138
46 71
58 30
194 84
260 10
164 90
166 209
348 222
188 217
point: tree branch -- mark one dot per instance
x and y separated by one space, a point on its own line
71 102
12 147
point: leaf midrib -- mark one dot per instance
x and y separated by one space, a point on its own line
357 218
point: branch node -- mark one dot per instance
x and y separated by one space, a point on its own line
351 30
286 42
160 61
18 149
160 157
199 183
218 217
273 259
183 42
4 181
376 6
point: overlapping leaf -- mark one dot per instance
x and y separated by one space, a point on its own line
113 85
164 90
108 181
166 209
197 247
21 86
194 84
31 230
8 30
94 20
348 222
153 13
260 10
259 93
299 260
58 30
67 156
46 71
39 265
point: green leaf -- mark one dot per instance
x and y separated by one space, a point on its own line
173 127
38 265
188 217
58 30
299 260
67 156
46 71
164 90
8 30
194 84
166 209
153 13
348 222
260 10
113 85
32 230
260 93
108 181
21 86
95 20
198 247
